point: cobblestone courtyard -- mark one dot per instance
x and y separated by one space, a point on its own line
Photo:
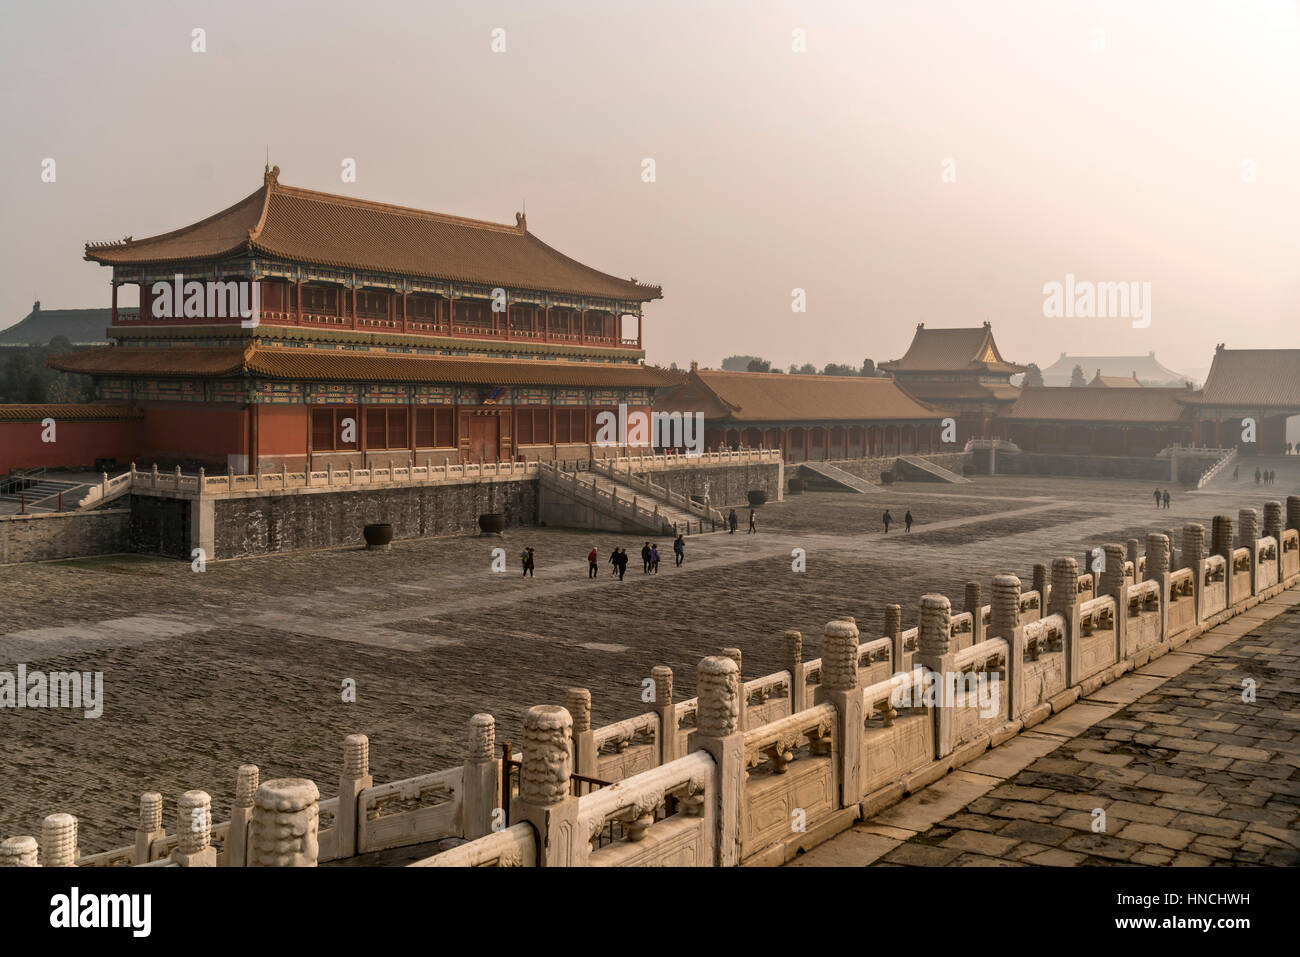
245 662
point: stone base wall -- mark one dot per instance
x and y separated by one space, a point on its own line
870 469
1093 466
729 485
269 523
46 537
160 526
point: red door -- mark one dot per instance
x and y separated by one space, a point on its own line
484 438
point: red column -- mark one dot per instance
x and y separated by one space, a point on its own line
638 330
546 334
451 315
354 307
404 318
507 314
298 298
582 326
115 303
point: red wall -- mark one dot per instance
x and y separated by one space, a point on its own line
76 445
192 432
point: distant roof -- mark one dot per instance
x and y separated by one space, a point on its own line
1081 404
306 226
83 327
1146 368
1100 381
953 350
352 366
68 412
778 397
1263 378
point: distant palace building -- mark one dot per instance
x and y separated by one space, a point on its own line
1143 368
439 338
808 417
962 371
1261 385
1098 419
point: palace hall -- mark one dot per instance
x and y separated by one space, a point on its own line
382 334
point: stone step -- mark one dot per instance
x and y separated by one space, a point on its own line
840 477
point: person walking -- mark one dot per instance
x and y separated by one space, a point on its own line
887 518
1166 498
592 560
907 520
529 563
752 527
654 558
1236 472
613 561
1257 475
733 522
1158 498
645 559
622 563
679 550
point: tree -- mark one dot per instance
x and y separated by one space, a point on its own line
758 365
869 369
806 369
835 368
1033 376
739 363
1076 376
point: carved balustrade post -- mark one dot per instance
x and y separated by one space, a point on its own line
151 826
285 831
194 831
480 783
662 677
354 780
720 734
241 814
545 791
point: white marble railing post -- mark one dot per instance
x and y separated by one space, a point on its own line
667 711
151 826
241 813
973 603
354 780
1064 601
735 655
792 661
840 687
934 651
194 831
480 791
577 701
1114 584
545 793
59 841
894 632
19 852
285 831
1158 565
1221 544
720 734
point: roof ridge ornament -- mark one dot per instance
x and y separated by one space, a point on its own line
521 222
271 176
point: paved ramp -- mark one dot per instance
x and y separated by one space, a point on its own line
839 476
938 471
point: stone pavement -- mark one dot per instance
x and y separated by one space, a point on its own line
1185 772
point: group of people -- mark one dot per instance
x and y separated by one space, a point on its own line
733 521
888 519
1268 476
618 559
1162 497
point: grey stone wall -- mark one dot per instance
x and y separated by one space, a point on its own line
729 485
160 526
1091 466
45 537
268 523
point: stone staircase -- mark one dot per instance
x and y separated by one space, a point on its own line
631 500
42 495
839 476
938 471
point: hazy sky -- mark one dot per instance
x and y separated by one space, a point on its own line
775 170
